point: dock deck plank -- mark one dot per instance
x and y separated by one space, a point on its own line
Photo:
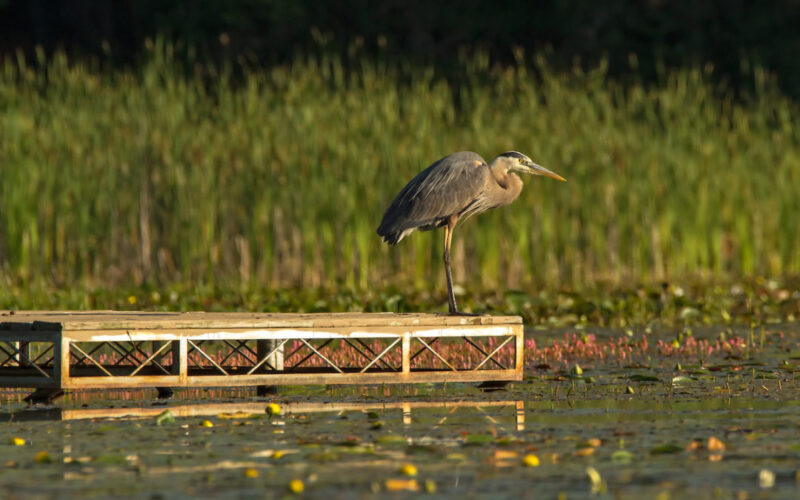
132 320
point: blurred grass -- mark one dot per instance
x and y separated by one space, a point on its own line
278 178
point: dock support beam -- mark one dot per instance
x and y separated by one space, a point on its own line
263 347
43 395
406 353
175 366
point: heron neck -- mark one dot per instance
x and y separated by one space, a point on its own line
507 187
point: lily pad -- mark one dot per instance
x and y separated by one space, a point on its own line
683 379
478 439
391 440
665 449
165 417
622 456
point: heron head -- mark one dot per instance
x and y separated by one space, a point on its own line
515 161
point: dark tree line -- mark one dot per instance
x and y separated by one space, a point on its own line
725 33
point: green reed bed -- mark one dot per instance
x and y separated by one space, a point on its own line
278 177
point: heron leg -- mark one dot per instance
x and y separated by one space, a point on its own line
448 235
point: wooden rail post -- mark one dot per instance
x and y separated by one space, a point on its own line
23 353
183 361
519 361
406 353
61 361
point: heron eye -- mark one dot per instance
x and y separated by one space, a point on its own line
520 160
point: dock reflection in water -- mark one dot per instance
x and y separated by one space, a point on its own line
287 408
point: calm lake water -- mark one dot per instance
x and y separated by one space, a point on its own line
727 426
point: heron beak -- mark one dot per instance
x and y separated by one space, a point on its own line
540 170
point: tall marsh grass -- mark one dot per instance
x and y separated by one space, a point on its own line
279 177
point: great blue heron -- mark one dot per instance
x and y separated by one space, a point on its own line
452 189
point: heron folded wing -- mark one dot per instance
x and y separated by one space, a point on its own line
445 188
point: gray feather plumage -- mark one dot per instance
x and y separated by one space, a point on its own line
452 185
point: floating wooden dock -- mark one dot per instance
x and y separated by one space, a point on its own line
58 350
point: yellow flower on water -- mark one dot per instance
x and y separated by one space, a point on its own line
296 486
250 472
766 478
273 409
17 441
715 444
430 486
131 299
43 458
531 461
277 454
408 470
206 423
402 485
594 476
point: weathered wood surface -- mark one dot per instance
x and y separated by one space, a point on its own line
308 333
298 378
134 320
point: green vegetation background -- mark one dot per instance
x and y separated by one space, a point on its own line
277 178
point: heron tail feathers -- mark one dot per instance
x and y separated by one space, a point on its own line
394 237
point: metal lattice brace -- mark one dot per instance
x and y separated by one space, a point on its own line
374 355
210 360
379 356
80 360
428 346
9 355
372 360
491 355
74 345
152 359
137 364
236 349
308 356
136 347
47 362
321 356
265 359
25 357
482 351
19 348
